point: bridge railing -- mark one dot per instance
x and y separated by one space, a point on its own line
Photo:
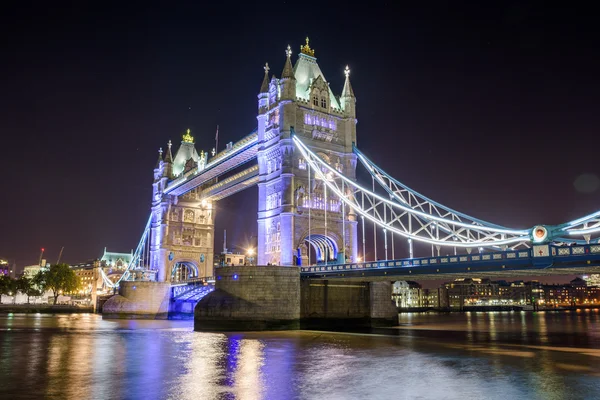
535 255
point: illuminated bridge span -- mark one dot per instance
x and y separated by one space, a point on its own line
313 212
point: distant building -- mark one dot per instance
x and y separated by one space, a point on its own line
407 294
4 267
231 259
117 261
31 270
471 291
592 280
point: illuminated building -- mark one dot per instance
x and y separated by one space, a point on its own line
4 267
469 291
407 294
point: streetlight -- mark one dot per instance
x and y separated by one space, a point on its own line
250 254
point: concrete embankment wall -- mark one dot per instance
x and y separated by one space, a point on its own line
143 300
43 309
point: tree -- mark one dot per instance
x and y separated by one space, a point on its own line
59 278
6 286
27 286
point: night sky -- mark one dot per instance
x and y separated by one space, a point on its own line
492 110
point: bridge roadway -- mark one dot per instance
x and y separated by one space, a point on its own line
538 261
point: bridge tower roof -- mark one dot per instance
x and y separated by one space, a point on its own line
185 152
306 70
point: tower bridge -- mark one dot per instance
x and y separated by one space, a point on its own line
303 157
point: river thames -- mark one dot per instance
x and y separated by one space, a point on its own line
509 355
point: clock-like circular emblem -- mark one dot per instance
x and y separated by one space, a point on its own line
540 234
171 256
202 257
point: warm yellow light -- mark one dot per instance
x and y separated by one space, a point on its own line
358 259
250 251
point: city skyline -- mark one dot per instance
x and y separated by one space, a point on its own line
88 164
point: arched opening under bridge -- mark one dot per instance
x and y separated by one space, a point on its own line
184 271
321 248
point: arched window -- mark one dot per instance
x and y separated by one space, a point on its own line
269 167
323 102
316 101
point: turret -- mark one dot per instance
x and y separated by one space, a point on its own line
263 96
168 162
288 80
348 101
158 169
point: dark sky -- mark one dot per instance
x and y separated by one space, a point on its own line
490 109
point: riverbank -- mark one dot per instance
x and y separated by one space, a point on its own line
43 309
493 308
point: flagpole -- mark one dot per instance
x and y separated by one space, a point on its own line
217 141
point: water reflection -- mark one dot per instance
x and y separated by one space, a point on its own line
451 356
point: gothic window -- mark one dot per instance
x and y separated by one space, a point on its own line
315 101
301 163
278 199
323 102
188 216
278 226
307 119
269 167
268 202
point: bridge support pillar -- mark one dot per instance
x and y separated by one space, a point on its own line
339 304
139 300
251 298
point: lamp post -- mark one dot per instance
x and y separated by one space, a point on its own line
250 256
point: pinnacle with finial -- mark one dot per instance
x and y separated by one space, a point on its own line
347 91
168 156
160 151
264 87
288 71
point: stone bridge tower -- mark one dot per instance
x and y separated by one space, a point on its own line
182 227
297 222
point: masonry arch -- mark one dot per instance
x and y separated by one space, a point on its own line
317 247
184 270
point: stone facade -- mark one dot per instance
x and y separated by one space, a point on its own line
182 228
143 300
301 103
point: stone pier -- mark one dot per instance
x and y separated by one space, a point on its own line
139 300
339 304
274 298
251 298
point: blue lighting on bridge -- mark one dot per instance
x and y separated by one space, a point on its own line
235 277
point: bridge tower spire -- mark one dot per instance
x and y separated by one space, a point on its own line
348 99
288 80
169 162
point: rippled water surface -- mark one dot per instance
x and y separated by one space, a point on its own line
429 356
